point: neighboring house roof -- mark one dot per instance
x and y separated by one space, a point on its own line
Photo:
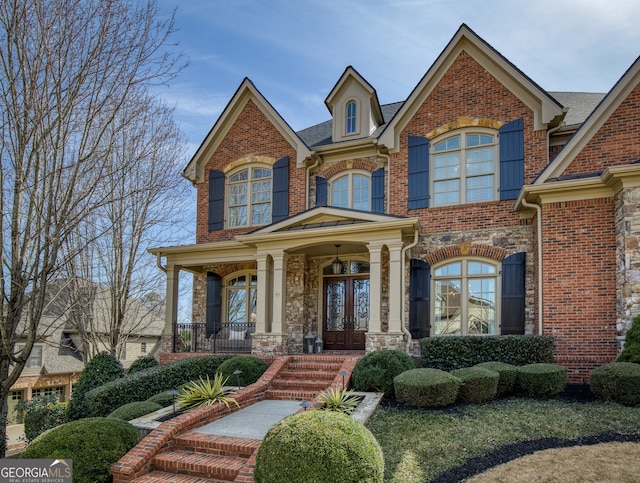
579 105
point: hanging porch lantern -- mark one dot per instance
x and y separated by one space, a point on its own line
336 265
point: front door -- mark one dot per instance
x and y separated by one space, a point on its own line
346 312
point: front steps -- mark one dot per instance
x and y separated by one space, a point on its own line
195 457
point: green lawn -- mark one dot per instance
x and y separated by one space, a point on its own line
419 444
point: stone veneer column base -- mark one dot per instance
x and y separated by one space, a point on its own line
384 340
266 344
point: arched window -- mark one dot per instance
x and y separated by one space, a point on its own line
249 197
351 117
352 190
464 168
465 298
240 299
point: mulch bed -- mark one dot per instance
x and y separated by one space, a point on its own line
477 465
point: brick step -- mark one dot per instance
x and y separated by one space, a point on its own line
306 375
291 395
216 444
162 477
304 365
204 465
297 384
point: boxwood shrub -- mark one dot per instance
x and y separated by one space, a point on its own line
541 380
252 368
449 353
93 444
134 410
376 370
618 382
314 446
144 384
508 375
631 351
479 385
426 387
142 362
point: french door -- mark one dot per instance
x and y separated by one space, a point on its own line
346 312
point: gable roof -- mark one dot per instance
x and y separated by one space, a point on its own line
547 111
246 92
351 75
629 80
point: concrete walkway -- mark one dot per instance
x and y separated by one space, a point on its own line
15 438
253 421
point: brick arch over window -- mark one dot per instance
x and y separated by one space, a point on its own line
464 122
248 160
466 249
361 164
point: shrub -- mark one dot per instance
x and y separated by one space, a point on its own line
252 368
376 370
144 384
205 393
41 413
426 387
93 444
134 410
479 385
449 353
141 363
508 375
541 380
343 401
618 382
163 398
317 446
631 351
104 367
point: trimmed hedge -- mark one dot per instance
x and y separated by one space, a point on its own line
631 351
541 380
449 353
163 398
93 444
508 376
479 385
144 384
426 387
376 370
252 368
134 410
319 446
618 382
141 363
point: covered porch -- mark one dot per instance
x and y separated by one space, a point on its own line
337 274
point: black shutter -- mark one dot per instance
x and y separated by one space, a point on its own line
280 207
214 303
321 191
419 298
513 293
216 200
511 159
418 172
377 191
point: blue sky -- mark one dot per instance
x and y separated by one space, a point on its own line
294 51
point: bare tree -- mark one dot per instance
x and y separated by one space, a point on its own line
67 70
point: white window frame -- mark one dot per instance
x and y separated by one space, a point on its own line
463 177
30 364
351 120
250 316
251 204
464 278
350 176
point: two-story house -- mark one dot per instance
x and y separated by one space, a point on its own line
479 205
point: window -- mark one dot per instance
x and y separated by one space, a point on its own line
143 347
35 358
465 298
48 391
241 296
352 191
249 197
464 169
351 118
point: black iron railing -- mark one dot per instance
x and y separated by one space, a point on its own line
228 337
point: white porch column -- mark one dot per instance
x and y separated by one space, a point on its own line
263 293
395 287
279 291
171 308
375 288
